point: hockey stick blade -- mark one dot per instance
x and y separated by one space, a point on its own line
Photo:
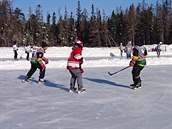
118 71
110 74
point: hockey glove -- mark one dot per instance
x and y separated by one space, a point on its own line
46 61
43 66
81 70
132 63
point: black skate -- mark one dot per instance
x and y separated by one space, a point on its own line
139 85
25 80
133 86
82 90
72 89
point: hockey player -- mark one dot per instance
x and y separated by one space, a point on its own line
74 66
27 51
158 49
15 49
37 61
138 62
121 48
128 50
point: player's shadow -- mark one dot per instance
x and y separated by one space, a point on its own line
59 86
21 77
47 83
103 81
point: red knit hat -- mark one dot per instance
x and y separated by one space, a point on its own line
79 42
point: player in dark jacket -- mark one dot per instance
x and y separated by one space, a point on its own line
15 49
138 62
37 61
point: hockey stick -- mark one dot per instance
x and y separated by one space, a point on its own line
118 71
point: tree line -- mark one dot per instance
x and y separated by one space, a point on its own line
151 23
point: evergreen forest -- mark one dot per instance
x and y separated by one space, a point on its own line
151 23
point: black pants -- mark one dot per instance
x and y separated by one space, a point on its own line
128 56
34 68
27 55
136 74
15 54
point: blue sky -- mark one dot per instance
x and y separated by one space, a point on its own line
71 5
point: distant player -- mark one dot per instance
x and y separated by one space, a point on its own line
158 49
27 51
121 48
128 50
15 49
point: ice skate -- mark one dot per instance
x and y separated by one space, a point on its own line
41 81
73 89
133 86
138 85
25 80
82 90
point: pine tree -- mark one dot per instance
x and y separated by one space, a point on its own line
131 22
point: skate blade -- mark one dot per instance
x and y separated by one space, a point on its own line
81 92
23 81
134 88
41 82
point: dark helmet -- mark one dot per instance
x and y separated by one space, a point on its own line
44 44
139 41
14 42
